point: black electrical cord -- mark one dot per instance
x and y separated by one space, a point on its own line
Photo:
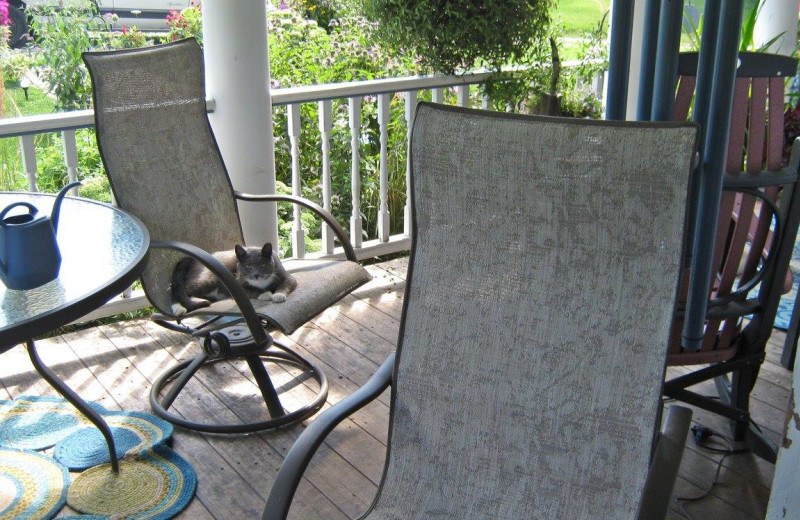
702 436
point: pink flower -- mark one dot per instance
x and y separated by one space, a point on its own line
4 13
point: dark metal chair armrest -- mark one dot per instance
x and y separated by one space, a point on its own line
300 454
720 309
763 179
313 206
665 464
227 279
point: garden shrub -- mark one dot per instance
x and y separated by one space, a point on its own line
61 41
302 53
186 23
457 35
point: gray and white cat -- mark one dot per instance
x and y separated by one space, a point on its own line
258 270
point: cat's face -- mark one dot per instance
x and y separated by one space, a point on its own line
256 267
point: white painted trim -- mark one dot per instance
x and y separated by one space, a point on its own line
784 501
118 305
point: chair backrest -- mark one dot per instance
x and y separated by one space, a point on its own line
160 153
745 225
540 294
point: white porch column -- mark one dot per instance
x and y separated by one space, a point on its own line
237 77
777 17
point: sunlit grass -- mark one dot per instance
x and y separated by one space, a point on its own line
579 16
12 176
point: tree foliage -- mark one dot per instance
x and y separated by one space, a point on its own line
456 35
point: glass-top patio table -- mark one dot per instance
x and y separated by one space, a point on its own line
103 251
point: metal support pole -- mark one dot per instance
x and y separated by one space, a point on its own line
666 67
702 104
713 169
619 56
647 67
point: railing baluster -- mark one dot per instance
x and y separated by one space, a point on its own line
325 126
298 234
356 225
485 102
384 101
411 108
437 95
70 157
463 95
28 152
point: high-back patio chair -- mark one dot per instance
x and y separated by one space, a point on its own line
165 167
540 292
754 240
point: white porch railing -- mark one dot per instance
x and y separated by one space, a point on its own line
355 93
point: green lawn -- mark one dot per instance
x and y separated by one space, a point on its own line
11 176
17 105
579 16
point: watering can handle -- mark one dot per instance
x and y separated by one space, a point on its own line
31 207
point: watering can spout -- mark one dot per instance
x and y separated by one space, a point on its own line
57 204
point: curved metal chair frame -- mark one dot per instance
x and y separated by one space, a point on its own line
157 145
519 222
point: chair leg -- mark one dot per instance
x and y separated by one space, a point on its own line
265 385
742 383
734 381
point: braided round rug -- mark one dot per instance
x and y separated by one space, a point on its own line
37 423
32 486
155 485
134 433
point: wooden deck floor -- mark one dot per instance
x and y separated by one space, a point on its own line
116 364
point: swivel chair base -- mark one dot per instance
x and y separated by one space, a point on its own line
236 343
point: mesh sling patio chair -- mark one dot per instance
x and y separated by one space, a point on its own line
754 240
527 382
165 167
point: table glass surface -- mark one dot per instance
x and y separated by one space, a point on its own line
98 243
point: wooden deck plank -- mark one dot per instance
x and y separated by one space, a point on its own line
116 365
130 388
329 470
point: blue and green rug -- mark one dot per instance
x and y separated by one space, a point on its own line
154 482
784 316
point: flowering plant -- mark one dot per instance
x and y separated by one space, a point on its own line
186 23
4 20
5 34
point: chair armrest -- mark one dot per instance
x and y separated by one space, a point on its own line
300 454
227 279
313 206
665 464
746 180
721 309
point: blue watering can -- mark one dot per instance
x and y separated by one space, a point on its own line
29 254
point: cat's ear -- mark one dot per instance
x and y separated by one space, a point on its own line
241 253
266 251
